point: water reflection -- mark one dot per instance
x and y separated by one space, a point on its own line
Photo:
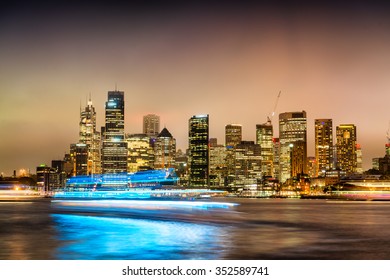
90 237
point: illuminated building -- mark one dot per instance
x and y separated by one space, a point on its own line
164 150
151 125
140 155
264 134
114 153
233 135
198 137
346 148
292 128
298 158
79 154
218 167
89 136
312 167
359 159
47 177
247 165
323 145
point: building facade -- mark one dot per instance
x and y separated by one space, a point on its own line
140 155
292 128
264 135
323 146
164 150
90 137
114 152
199 151
151 125
233 135
248 165
346 148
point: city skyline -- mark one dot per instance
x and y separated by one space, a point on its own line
230 62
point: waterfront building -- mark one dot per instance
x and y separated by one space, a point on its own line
181 167
218 165
164 150
114 152
323 145
89 136
47 178
346 148
292 128
79 154
199 151
298 159
151 125
264 135
233 135
140 154
248 165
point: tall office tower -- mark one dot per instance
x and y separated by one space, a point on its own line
323 145
264 133
164 150
292 128
298 158
233 135
276 154
140 154
247 165
151 125
114 153
312 167
198 137
89 136
79 154
346 148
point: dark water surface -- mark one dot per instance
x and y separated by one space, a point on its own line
254 229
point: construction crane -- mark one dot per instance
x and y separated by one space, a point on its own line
269 119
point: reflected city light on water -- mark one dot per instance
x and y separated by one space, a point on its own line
90 237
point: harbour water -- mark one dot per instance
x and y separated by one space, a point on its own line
253 229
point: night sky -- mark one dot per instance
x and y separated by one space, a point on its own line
228 60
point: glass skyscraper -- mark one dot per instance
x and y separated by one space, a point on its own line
323 145
199 151
264 134
292 129
346 148
114 155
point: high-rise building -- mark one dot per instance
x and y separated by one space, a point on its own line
151 125
114 153
323 145
292 128
264 135
247 165
164 150
140 153
298 158
90 137
199 151
79 154
233 135
346 148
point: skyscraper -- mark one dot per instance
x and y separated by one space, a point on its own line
247 165
140 155
323 145
114 156
346 148
264 134
233 135
90 137
164 150
151 125
199 150
292 128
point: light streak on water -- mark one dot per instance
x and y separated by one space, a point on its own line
87 237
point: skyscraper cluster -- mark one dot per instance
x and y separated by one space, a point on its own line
238 163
